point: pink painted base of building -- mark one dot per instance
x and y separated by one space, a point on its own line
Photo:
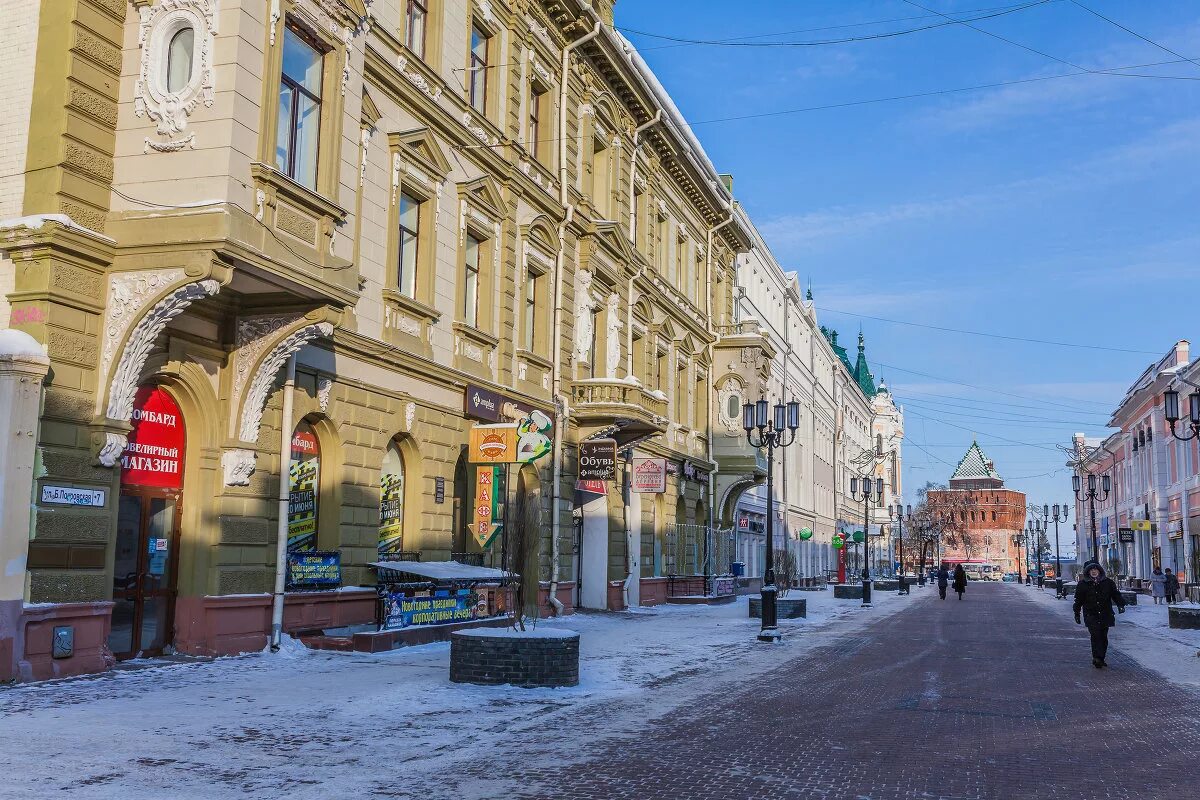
27 640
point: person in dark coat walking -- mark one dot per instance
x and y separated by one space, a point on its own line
943 579
1171 584
960 580
1095 596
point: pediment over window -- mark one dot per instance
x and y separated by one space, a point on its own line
420 145
370 112
484 194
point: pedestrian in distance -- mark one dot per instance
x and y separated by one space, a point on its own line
1158 585
960 580
1171 586
943 580
1095 596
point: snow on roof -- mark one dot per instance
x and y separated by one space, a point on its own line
19 344
444 570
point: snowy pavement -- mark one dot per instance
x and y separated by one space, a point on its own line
1143 635
309 724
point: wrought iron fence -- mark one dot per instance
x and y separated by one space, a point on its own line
471 559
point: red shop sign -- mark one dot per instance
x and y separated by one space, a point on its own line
154 455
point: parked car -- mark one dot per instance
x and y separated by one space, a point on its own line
1011 577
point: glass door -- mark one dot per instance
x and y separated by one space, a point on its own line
144 574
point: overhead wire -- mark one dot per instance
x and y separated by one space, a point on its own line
1042 53
1006 337
1162 47
823 42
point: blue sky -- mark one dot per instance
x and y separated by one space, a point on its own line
1065 209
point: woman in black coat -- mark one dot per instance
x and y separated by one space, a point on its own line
943 579
1095 596
960 580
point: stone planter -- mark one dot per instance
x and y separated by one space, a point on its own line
887 585
547 656
1130 597
785 607
1182 617
847 591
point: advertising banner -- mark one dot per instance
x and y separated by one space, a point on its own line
303 480
312 570
650 475
488 519
154 455
401 612
723 586
391 513
598 460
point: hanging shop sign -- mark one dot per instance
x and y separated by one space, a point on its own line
154 455
1125 535
533 437
650 475
312 570
838 542
744 523
1142 525
598 460
858 537
493 444
461 605
1176 531
73 496
806 534
488 519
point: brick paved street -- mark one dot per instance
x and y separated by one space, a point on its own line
991 697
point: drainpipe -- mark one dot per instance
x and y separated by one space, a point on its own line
708 384
561 401
281 533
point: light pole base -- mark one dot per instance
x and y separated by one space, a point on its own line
770 635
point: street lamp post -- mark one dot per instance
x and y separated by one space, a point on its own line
1171 412
865 495
772 434
1060 515
1036 528
899 514
1017 541
1090 494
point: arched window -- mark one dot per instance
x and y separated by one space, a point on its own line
179 59
304 481
391 503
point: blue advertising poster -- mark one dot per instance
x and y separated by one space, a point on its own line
444 606
314 570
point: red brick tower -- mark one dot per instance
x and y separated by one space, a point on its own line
990 514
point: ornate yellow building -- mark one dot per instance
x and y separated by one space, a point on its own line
326 238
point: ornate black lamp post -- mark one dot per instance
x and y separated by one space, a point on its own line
1017 541
772 434
865 496
1036 528
1171 412
1090 494
900 514
1060 515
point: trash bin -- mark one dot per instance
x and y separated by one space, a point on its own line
738 568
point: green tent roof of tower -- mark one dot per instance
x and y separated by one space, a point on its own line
862 372
975 465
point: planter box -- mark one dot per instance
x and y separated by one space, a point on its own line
848 591
1130 597
785 607
1185 618
548 656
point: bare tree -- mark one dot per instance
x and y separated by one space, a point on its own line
940 520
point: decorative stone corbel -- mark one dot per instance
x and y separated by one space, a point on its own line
264 377
238 465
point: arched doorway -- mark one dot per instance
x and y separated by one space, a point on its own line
149 510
